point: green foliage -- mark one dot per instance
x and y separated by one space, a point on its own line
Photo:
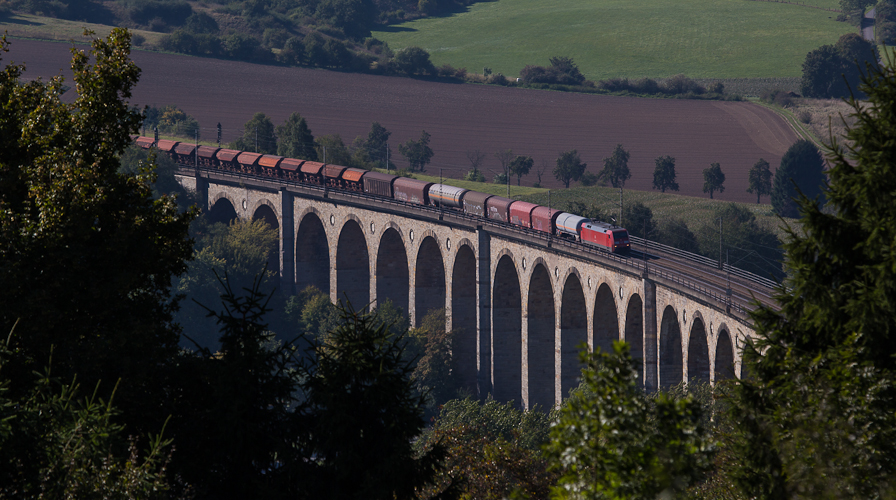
258 136
613 441
418 153
616 170
674 232
493 450
713 179
56 443
747 244
664 174
87 255
474 175
835 70
353 17
200 22
295 139
377 145
569 167
639 220
170 120
520 166
171 12
363 414
244 48
760 179
818 406
801 170
240 251
436 371
562 71
330 149
240 437
413 61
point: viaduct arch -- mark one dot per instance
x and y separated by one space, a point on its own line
521 308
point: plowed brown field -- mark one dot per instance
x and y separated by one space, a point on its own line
460 117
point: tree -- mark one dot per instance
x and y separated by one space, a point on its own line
569 167
504 157
475 173
664 174
354 17
612 441
835 70
713 179
639 220
802 169
87 255
760 179
363 415
331 149
493 450
616 168
258 136
520 166
295 139
377 145
413 61
418 153
815 417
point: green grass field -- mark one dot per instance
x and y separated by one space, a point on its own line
628 38
48 28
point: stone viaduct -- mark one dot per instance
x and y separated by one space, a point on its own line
522 303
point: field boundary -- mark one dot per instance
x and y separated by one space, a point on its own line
794 123
801 4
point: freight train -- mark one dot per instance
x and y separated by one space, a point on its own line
497 208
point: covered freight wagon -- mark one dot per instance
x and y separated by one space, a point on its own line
312 172
474 203
184 153
167 147
145 142
411 190
521 213
545 219
333 175
498 208
379 184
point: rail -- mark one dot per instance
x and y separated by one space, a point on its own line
575 248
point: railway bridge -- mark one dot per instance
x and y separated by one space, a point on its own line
522 301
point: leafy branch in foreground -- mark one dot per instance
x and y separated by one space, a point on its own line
614 441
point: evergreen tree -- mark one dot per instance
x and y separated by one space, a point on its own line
295 139
815 418
760 179
802 168
713 179
377 145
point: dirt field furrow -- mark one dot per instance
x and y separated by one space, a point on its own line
460 118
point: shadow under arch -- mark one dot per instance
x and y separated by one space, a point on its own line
698 351
312 255
573 332
507 333
353 266
634 332
671 354
392 275
540 339
429 280
463 317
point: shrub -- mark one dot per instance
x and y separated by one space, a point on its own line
680 84
588 179
338 56
171 12
240 46
274 37
497 79
413 61
200 22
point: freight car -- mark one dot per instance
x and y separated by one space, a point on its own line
496 208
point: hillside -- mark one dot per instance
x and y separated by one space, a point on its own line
461 118
629 38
